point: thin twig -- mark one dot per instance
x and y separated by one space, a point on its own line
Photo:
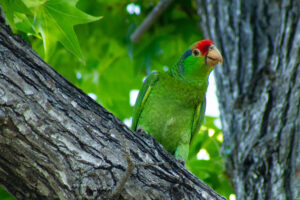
156 12
131 166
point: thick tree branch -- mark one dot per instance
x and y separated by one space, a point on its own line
57 143
259 92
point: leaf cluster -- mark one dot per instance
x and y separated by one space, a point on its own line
50 20
212 168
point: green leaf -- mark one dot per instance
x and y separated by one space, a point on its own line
33 3
25 24
224 187
210 166
5 195
55 21
12 6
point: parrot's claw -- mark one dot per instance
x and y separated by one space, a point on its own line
140 130
181 161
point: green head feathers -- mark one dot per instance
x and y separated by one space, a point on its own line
198 61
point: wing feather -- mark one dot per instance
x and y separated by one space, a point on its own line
198 117
142 98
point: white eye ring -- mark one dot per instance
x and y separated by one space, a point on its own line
196 52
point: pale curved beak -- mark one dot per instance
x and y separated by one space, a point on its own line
213 56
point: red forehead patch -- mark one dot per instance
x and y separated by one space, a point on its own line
203 46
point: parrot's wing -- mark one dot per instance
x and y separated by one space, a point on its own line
198 117
142 98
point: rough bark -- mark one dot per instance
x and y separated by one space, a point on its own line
259 92
57 143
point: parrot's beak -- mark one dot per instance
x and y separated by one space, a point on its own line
213 57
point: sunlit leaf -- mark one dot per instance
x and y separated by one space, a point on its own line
12 6
55 21
25 24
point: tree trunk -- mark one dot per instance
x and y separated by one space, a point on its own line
259 93
57 143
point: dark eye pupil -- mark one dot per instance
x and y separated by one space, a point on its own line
196 52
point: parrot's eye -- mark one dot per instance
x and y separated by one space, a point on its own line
196 52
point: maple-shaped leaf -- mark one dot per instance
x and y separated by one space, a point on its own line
55 21
12 6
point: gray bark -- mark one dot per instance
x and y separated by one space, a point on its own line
259 93
57 143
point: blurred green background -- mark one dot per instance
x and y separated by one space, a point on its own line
98 57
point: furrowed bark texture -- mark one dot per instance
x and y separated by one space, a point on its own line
57 143
259 92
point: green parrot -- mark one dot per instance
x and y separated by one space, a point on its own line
171 105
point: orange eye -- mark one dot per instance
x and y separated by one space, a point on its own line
196 52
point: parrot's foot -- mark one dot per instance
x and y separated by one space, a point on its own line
140 130
131 166
181 161
182 152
